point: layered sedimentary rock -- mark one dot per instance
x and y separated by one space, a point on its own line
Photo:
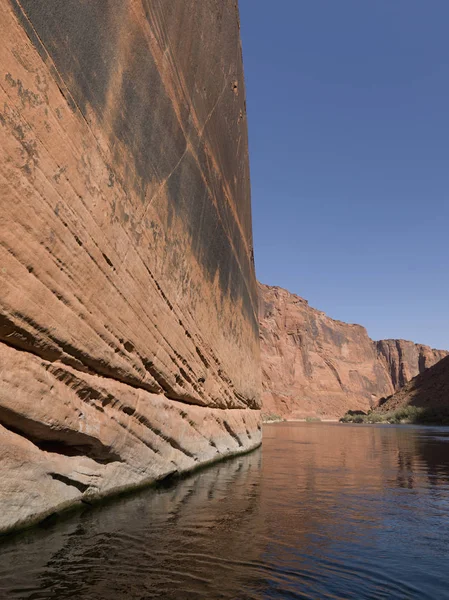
129 341
429 391
315 366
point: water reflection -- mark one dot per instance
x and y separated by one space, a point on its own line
332 511
158 544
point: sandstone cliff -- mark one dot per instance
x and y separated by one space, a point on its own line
428 391
406 359
315 366
129 344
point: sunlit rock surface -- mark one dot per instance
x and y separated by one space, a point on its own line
315 366
129 344
406 359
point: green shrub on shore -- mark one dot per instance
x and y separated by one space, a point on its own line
271 418
313 420
406 414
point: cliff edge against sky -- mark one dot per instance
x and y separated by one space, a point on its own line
129 343
315 366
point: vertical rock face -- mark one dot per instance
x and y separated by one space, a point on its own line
428 391
405 359
315 366
129 342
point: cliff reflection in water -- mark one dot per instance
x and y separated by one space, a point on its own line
331 511
179 541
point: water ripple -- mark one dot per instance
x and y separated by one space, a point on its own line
321 512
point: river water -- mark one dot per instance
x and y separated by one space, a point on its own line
321 511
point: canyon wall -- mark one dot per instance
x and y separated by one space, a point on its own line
129 342
315 366
406 359
428 391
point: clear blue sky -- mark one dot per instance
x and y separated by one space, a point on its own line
348 111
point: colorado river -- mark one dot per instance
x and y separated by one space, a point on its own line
321 511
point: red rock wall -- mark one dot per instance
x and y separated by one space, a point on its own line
128 301
315 366
429 391
406 359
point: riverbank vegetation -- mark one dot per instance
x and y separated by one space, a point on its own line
271 418
405 414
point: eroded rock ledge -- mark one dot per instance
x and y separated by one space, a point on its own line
76 437
129 345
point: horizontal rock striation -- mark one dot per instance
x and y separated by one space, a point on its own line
129 344
315 366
